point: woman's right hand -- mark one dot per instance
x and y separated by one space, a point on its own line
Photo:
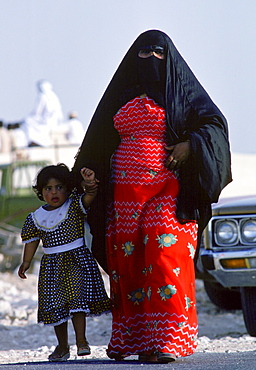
179 154
23 268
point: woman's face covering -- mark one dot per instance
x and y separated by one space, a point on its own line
157 52
151 64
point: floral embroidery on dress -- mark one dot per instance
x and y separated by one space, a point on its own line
152 173
128 248
129 331
149 292
191 250
167 291
181 324
176 271
166 240
137 295
145 240
156 324
135 215
115 276
147 269
159 207
188 303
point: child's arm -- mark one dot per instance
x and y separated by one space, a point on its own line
28 254
90 186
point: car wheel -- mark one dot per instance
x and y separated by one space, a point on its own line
223 297
248 296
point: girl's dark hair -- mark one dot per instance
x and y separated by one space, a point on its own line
60 172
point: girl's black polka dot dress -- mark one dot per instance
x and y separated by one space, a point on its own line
69 280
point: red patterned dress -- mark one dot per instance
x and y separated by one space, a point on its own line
150 254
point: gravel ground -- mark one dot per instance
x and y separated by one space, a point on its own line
22 340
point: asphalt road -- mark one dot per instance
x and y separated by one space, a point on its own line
198 361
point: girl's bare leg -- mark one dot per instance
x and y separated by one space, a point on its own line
61 332
79 323
61 352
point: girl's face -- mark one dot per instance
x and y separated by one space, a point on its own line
55 193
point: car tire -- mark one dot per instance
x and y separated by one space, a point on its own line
224 298
248 297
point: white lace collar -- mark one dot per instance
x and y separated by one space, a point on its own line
51 219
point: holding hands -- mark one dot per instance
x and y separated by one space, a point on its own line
89 183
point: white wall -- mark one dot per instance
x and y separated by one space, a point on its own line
244 175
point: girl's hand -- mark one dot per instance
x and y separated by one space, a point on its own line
87 174
179 155
89 183
23 268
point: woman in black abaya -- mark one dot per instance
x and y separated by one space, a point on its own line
159 147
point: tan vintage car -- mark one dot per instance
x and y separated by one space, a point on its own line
227 257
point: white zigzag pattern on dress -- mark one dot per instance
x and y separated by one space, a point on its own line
141 166
134 109
149 214
155 157
189 343
126 207
148 151
144 128
152 152
133 103
161 224
183 337
147 142
166 322
124 204
141 116
131 231
150 162
154 314
148 338
147 345
137 182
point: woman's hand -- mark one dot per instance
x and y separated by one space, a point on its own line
179 154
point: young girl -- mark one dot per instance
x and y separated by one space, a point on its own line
70 284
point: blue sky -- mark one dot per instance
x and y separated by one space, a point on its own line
77 45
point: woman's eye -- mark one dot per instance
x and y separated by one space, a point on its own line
159 54
144 53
